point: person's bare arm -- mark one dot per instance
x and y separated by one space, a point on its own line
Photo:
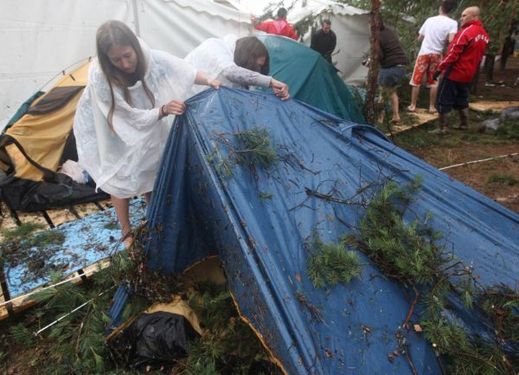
202 79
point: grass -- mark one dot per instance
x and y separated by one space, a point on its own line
20 232
502 179
509 130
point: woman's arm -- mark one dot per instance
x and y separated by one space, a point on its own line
202 79
246 77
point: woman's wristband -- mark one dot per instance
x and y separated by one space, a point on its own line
162 112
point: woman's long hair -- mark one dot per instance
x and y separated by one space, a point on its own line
116 33
247 51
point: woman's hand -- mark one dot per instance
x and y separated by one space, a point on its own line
280 89
174 107
202 79
214 83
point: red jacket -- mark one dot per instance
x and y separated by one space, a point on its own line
465 52
278 27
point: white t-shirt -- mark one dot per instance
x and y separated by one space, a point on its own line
436 32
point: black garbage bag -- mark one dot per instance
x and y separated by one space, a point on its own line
157 340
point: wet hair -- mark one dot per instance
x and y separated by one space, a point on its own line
247 51
282 13
116 33
382 27
448 6
327 21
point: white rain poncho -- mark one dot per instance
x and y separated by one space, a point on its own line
124 161
215 57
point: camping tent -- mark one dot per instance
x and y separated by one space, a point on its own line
311 78
37 142
259 220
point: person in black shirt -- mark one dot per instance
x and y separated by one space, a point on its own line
324 40
393 63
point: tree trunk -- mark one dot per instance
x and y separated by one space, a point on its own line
489 66
369 105
475 82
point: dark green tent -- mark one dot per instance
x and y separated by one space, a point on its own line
310 78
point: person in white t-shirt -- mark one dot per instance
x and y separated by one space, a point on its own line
436 33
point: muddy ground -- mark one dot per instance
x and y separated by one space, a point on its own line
498 179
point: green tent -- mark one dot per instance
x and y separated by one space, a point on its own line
310 78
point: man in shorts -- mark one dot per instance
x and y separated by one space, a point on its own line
435 34
459 67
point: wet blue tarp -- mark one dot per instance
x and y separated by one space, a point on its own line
258 220
85 242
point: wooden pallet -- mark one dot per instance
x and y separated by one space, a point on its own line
88 243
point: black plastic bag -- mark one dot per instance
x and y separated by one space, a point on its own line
157 340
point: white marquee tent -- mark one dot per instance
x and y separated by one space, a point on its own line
349 23
40 38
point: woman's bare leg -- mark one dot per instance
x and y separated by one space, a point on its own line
394 106
122 210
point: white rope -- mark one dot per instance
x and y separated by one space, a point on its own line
479 161
69 313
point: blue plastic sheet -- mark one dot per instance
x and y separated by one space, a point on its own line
347 329
85 242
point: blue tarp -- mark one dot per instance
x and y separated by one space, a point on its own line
85 242
347 329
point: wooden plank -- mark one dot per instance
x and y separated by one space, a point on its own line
492 105
422 117
25 301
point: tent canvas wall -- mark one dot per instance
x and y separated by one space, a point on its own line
199 211
351 25
42 37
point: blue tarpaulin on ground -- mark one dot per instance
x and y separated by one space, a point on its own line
258 220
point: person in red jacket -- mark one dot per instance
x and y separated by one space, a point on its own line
459 67
279 26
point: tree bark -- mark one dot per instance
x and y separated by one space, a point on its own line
489 66
369 105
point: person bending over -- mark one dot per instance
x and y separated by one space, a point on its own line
123 118
238 63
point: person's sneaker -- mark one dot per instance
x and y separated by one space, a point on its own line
439 131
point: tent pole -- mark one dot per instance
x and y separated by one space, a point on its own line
136 18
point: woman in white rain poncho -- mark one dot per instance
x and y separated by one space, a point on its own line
237 63
121 124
